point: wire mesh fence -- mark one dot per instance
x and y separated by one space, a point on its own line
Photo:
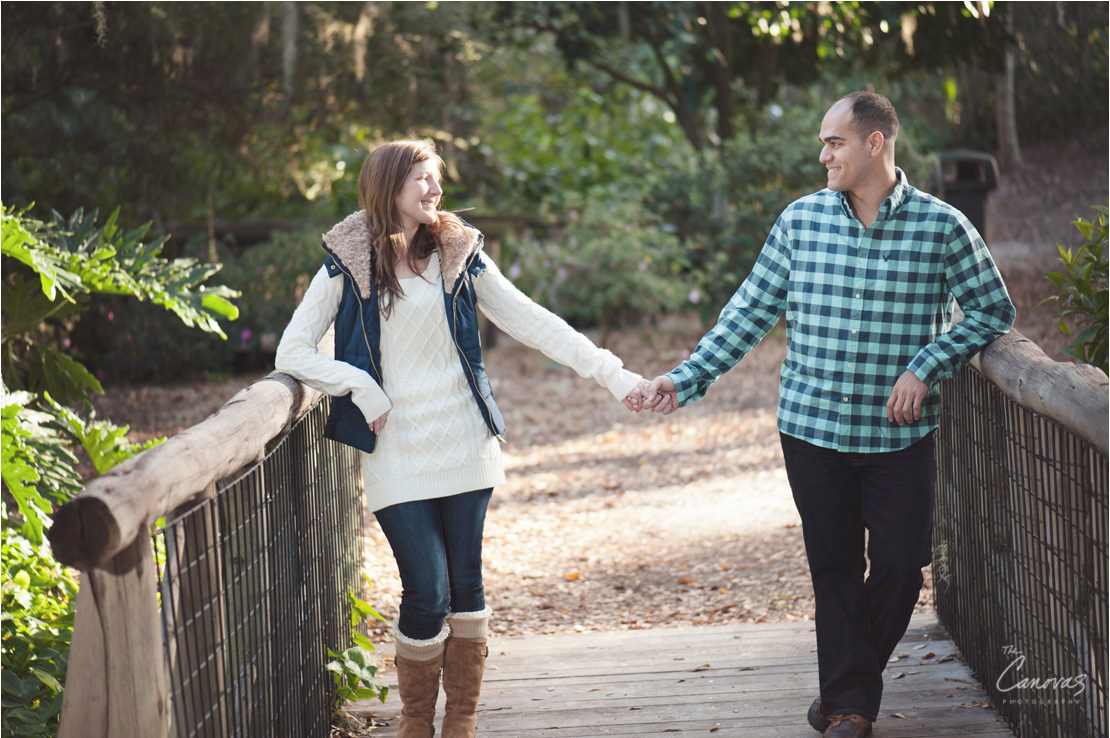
1021 559
253 585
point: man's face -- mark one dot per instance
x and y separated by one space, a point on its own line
845 154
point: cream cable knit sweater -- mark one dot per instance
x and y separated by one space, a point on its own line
435 442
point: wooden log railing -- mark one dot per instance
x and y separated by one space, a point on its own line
118 683
1074 395
1020 538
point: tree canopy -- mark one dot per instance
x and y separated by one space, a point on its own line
194 111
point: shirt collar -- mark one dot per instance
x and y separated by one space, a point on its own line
892 202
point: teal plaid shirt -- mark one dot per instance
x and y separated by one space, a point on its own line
862 306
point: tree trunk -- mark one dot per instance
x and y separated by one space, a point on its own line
288 46
1009 151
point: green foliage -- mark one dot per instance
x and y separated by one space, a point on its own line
723 204
126 343
40 472
610 264
38 600
72 260
361 611
50 272
561 138
354 676
352 669
38 467
1082 291
273 277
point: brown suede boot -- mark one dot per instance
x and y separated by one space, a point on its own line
418 665
464 663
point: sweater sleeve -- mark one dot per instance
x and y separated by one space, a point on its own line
297 355
513 312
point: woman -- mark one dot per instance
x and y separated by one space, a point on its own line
401 284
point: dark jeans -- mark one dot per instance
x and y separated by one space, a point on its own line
438 547
860 618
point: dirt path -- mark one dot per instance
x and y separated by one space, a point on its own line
614 521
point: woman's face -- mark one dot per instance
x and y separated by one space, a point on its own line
418 200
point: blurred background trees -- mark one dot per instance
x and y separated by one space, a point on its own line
240 126
233 126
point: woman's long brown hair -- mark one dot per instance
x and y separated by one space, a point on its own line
383 175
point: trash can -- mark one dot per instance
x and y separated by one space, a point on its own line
964 179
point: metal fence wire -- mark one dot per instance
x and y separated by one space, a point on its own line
1021 558
253 587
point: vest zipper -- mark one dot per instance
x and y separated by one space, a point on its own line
455 338
362 319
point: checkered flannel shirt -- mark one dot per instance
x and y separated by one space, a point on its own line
862 306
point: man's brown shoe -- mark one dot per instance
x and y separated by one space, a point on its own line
848 726
817 721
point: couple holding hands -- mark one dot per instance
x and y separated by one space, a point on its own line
867 272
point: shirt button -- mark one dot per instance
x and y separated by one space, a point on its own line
845 399
857 295
854 331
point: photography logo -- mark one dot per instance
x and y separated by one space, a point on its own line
1020 688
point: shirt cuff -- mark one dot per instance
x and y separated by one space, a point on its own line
685 383
623 383
926 367
371 401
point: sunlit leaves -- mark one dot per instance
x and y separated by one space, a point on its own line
75 258
1082 289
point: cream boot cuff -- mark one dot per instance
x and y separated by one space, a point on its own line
414 649
470 624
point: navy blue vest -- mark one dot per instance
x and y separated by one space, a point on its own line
358 342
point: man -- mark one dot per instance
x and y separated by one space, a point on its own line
868 272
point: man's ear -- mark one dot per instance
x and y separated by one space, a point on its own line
876 142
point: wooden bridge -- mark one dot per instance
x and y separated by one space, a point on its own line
740 680
246 588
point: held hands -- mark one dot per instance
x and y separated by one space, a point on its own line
659 396
635 399
904 405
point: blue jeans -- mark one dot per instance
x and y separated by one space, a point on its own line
859 619
438 547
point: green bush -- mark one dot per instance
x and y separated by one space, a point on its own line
609 265
50 272
38 600
1082 290
724 202
123 342
273 277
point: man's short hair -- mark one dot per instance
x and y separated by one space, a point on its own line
872 112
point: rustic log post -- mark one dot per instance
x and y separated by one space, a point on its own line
117 680
116 683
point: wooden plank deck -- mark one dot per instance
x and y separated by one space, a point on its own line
747 680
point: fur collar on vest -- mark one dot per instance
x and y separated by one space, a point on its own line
349 241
